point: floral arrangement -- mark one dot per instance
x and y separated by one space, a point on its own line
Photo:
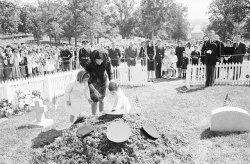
6 108
25 99
97 149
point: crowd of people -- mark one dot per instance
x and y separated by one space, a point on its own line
162 58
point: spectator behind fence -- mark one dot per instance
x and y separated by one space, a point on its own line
9 63
115 55
84 54
195 55
131 54
66 57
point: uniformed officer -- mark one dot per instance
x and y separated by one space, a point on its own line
84 54
210 50
66 56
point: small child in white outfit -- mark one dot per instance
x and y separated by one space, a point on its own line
121 101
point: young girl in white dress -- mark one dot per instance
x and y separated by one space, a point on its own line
77 96
121 102
165 61
172 64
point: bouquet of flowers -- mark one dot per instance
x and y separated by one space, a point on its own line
6 108
25 99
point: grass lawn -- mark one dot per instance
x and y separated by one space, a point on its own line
186 115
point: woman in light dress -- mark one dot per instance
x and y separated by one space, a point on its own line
166 62
77 96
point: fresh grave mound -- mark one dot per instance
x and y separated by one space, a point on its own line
96 148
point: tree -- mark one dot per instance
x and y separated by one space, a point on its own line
9 17
52 17
25 22
80 15
37 27
227 15
180 24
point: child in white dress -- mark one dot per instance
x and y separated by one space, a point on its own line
121 101
77 96
172 64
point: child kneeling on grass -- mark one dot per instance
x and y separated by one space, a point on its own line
121 101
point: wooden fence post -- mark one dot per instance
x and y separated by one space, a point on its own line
188 76
7 93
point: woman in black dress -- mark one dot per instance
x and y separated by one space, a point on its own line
229 50
100 73
150 52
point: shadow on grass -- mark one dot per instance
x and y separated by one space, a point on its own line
160 80
28 127
46 138
184 89
207 134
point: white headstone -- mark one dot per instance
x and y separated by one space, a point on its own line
40 110
230 119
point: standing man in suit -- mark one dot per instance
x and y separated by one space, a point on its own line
209 49
84 54
179 50
66 56
158 58
115 55
239 52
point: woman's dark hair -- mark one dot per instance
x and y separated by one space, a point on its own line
81 75
99 54
113 86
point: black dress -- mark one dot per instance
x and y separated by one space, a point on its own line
228 51
98 77
151 62
179 53
195 55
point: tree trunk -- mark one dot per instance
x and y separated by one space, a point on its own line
56 41
50 39
69 40
75 41
97 39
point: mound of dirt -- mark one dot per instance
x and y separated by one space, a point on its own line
96 148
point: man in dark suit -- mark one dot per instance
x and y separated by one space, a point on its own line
115 55
66 56
84 54
210 50
158 58
239 50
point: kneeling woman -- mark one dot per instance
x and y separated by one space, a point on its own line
100 73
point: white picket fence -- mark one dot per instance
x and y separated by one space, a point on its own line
132 76
54 85
225 74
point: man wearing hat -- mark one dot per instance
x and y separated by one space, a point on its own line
84 54
115 55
